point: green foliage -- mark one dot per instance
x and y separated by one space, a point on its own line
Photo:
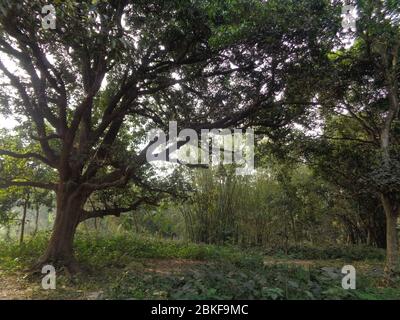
120 249
346 253
100 251
227 281
14 256
278 206
213 281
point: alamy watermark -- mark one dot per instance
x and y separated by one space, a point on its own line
190 147
49 280
349 18
349 280
49 20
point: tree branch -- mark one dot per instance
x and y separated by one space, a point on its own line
26 156
113 211
34 184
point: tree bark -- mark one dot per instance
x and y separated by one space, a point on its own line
23 220
392 241
59 251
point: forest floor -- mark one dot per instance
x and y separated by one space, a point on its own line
13 286
133 267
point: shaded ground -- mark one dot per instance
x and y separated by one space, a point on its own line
22 286
18 285
14 286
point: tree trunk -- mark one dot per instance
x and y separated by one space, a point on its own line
36 219
379 230
23 220
390 205
60 248
392 241
8 237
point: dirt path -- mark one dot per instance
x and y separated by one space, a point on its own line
14 287
169 266
294 262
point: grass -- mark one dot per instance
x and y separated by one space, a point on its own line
107 251
127 266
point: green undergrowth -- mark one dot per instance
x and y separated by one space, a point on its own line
104 251
345 252
227 281
128 266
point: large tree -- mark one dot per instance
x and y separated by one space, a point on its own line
87 92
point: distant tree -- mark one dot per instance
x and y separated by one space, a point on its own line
343 156
41 198
8 212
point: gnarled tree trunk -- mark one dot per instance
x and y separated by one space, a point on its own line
59 251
